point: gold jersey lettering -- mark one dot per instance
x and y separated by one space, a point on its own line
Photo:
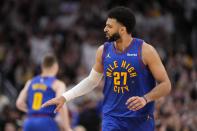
111 68
115 64
39 86
123 64
133 74
127 66
131 69
109 74
121 89
120 78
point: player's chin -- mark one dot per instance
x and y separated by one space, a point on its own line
107 36
109 39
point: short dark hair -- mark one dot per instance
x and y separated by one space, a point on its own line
124 16
49 61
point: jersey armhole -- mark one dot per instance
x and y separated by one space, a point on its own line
104 53
140 54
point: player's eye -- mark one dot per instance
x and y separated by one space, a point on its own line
108 26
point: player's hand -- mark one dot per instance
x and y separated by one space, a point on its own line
58 101
135 103
69 129
66 129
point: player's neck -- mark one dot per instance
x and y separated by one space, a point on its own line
123 43
47 74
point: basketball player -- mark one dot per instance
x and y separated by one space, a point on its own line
131 68
39 90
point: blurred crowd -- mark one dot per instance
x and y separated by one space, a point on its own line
73 30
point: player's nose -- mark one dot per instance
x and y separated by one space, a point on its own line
105 30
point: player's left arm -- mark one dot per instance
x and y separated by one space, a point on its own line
59 87
21 100
151 58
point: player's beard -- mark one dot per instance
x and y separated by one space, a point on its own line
114 37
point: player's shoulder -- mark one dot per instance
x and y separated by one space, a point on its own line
148 52
59 82
101 47
100 50
58 85
35 78
27 84
104 45
29 81
147 48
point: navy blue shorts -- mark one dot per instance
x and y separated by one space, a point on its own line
40 124
111 123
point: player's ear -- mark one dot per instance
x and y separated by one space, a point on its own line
122 29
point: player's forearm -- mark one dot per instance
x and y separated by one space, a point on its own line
162 89
65 119
23 109
21 100
21 106
85 86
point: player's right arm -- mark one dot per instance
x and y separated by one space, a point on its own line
84 87
21 100
98 66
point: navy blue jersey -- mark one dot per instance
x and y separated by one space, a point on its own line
125 76
39 91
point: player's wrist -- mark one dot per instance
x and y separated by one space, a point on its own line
63 98
145 99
